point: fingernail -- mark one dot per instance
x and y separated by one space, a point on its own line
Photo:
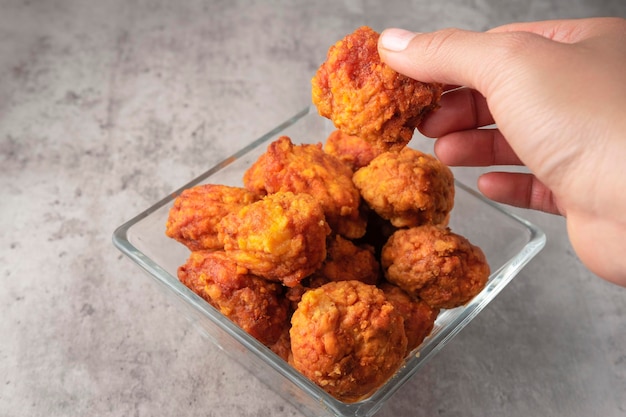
396 39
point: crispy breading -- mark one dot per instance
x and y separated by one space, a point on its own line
256 305
308 169
433 263
419 317
365 97
196 211
347 338
281 237
282 347
409 188
346 261
351 150
294 294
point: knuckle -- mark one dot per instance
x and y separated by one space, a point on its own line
514 45
436 44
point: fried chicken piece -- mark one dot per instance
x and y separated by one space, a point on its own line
409 188
282 347
346 261
351 150
419 317
432 263
294 294
253 303
364 97
281 237
308 169
347 338
196 211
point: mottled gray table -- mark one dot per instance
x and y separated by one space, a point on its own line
107 106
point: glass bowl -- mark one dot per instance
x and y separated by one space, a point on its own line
508 241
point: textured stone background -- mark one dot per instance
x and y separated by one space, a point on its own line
107 106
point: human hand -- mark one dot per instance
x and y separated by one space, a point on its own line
556 91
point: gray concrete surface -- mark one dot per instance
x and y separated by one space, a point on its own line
105 107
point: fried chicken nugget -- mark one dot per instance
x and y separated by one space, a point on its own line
409 188
351 150
282 347
308 169
253 303
196 211
419 317
432 263
364 97
294 294
281 237
347 338
346 261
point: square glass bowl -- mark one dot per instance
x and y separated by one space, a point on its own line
508 241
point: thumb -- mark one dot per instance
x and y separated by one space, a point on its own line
450 56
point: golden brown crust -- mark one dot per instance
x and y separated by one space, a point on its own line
347 338
281 237
351 150
294 294
432 263
364 97
346 261
196 211
282 347
419 317
409 188
308 169
254 304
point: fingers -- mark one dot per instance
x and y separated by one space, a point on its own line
519 190
450 56
479 147
482 61
461 109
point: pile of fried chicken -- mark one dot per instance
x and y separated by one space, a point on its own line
338 256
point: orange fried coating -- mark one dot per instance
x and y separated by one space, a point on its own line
281 237
409 188
351 150
294 294
196 211
254 304
347 338
346 261
282 347
432 263
419 317
308 169
364 97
